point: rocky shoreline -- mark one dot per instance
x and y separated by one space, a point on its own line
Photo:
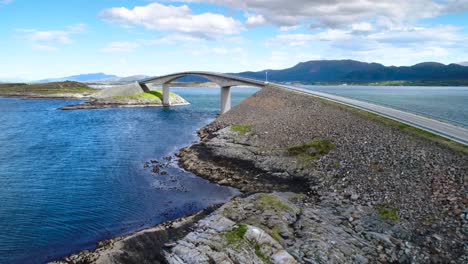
323 184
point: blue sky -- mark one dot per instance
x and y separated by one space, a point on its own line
51 38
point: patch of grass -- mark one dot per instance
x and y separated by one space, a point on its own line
241 129
386 213
269 200
259 253
336 165
312 150
275 234
236 235
155 95
405 127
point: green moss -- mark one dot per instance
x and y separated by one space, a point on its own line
275 234
269 200
260 254
312 150
236 235
155 95
241 129
386 213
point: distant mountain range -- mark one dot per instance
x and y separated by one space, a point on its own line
320 71
96 77
80 78
356 71
132 78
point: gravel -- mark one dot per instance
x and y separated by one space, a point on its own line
417 181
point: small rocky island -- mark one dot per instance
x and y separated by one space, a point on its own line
143 99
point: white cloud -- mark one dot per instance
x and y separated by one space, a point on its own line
43 47
217 51
341 13
77 28
290 28
442 35
362 26
292 39
173 39
397 46
48 40
255 20
121 46
177 19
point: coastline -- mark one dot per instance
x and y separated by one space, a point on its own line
359 187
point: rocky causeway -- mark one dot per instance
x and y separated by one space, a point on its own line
322 183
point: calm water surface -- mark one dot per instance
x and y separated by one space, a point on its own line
70 178
444 103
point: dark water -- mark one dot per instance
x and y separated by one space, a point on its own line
70 178
445 103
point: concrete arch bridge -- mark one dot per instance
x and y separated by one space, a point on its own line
224 81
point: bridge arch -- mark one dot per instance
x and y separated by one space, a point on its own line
224 81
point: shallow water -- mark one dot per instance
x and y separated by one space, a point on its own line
445 103
71 178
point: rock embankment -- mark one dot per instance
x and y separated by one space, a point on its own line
414 186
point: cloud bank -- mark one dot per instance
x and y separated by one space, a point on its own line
176 19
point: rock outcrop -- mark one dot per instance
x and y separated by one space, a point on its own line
280 141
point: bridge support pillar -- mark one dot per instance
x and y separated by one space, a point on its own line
225 99
166 95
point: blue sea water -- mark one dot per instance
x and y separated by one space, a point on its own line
71 178
448 104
